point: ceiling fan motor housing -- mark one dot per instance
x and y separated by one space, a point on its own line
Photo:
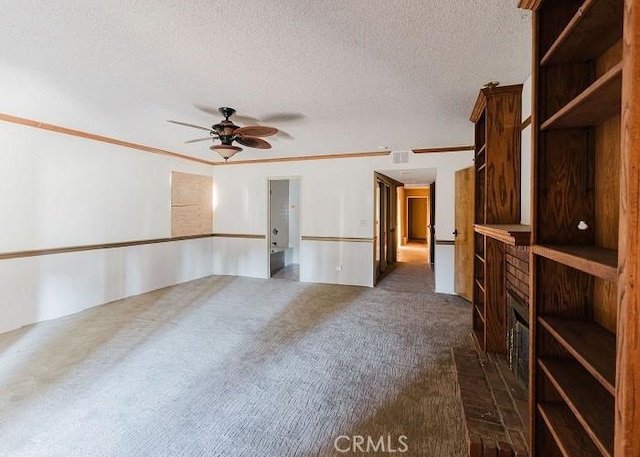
225 130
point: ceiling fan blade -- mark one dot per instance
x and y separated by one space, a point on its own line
282 135
191 125
244 119
253 142
201 139
207 109
282 117
256 130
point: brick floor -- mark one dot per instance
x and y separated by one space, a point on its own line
494 405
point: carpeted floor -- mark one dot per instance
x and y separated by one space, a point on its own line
227 366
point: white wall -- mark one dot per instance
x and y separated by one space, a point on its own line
59 190
525 170
294 220
336 200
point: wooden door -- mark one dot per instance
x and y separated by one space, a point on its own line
464 233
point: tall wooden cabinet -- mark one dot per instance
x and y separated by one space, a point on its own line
584 314
497 117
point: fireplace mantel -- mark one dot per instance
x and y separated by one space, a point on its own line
512 234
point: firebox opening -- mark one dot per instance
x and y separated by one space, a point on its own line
518 338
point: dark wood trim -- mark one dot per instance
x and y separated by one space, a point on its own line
94 247
337 238
347 155
239 235
445 243
533 259
526 123
444 149
100 138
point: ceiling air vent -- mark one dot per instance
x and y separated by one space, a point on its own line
400 156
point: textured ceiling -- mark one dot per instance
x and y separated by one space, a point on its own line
366 74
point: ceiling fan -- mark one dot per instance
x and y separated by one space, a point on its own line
228 133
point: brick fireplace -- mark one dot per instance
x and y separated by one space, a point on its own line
517 312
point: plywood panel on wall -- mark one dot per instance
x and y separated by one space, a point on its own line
191 204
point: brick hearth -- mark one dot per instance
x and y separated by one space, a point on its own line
494 405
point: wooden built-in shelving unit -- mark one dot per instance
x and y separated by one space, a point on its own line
584 302
497 118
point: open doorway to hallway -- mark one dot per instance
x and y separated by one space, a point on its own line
404 218
416 222
284 228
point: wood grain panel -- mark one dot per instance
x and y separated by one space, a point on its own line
495 297
605 304
593 29
566 430
554 16
191 204
607 182
590 403
464 226
560 84
589 344
563 291
609 59
627 414
600 101
504 114
564 187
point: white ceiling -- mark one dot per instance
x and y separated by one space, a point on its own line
366 74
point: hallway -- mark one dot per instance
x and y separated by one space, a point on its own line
411 273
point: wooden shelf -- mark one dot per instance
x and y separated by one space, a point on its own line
589 402
478 334
591 345
598 102
479 312
513 234
593 260
482 149
567 431
595 28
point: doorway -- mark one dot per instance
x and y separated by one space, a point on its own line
417 218
284 228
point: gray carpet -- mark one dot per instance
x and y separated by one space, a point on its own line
227 366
